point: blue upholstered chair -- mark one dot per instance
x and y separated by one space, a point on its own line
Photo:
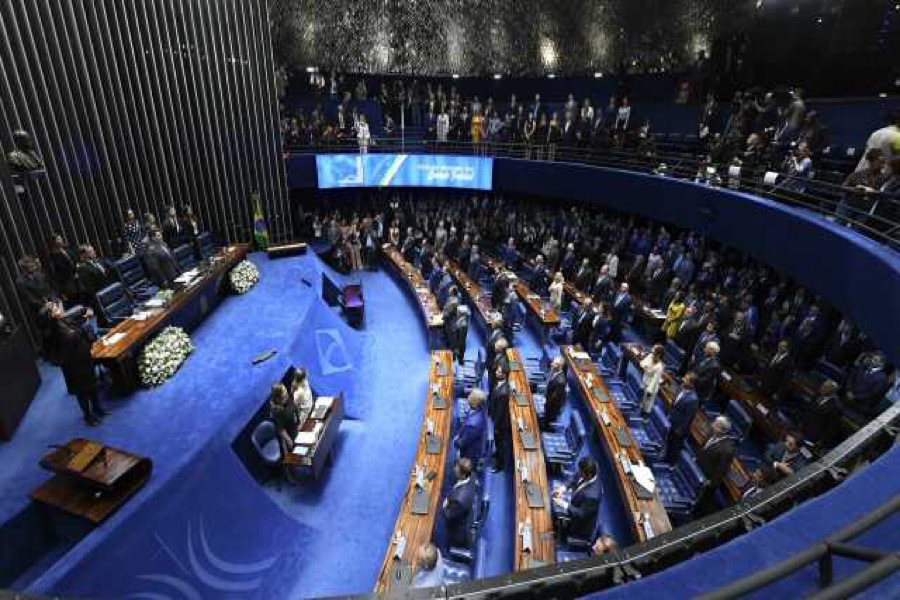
673 356
265 441
131 273
650 434
679 486
561 448
609 360
115 304
741 421
184 256
470 373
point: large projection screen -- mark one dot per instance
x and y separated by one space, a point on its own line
404 170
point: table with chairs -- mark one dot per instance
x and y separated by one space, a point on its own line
647 515
428 305
421 502
476 297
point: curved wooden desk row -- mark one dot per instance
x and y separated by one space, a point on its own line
541 313
535 538
182 310
761 408
647 516
428 305
478 300
738 481
415 523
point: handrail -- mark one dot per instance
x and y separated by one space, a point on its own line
872 214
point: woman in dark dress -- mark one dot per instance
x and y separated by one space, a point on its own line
73 349
133 232
62 267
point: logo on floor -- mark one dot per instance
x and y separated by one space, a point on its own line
333 357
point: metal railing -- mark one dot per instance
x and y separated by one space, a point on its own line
875 214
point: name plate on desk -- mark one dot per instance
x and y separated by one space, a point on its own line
514 365
599 394
533 495
521 400
401 575
432 444
420 502
528 441
622 436
441 369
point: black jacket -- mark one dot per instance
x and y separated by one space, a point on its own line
555 396
715 460
161 265
73 351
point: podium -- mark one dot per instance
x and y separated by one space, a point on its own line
19 380
91 480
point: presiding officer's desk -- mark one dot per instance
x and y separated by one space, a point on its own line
419 508
540 313
477 299
428 305
186 308
738 480
539 521
648 518
315 441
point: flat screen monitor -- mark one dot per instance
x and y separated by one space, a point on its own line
404 170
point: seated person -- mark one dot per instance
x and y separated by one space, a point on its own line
284 415
429 567
94 274
783 459
585 494
555 396
470 439
302 395
457 507
162 268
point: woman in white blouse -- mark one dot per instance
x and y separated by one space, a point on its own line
556 291
653 367
363 135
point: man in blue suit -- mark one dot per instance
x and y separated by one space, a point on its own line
621 312
470 440
680 417
458 505
580 511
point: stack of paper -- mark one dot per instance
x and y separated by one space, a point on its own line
324 402
306 438
644 476
581 356
112 340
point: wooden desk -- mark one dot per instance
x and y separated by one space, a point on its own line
540 313
590 385
415 529
576 295
316 455
186 309
477 299
761 408
91 480
737 481
543 540
416 284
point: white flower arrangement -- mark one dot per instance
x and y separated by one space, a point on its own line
243 277
163 356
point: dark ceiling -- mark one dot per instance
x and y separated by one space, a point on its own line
759 38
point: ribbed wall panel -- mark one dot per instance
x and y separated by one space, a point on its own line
136 104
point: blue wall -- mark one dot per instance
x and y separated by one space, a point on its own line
856 275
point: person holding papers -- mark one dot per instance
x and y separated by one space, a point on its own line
579 512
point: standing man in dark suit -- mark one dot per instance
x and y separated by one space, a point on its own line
173 232
681 415
583 324
603 287
496 332
459 330
580 511
93 274
708 372
822 421
470 439
621 312
458 505
584 276
162 268
72 347
499 409
498 291
714 459
539 276
778 371
555 395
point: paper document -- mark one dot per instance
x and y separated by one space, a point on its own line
644 476
306 438
112 340
581 356
324 402
155 303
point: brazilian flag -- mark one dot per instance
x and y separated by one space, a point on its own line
260 231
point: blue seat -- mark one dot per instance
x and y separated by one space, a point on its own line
679 486
673 356
131 273
610 358
206 244
466 555
741 421
470 373
562 448
560 423
184 256
115 304
265 440
650 435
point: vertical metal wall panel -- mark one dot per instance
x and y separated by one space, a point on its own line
136 104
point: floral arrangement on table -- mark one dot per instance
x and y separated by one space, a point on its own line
163 356
243 277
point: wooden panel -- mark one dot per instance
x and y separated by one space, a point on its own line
588 378
428 304
737 481
543 538
417 529
477 299
137 332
